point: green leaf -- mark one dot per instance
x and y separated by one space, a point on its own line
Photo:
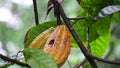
94 6
36 30
99 30
81 32
99 46
116 18
93 35
81 26
117 2
102 26
38 59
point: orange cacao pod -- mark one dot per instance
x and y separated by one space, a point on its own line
58 44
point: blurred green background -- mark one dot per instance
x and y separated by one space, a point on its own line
17 16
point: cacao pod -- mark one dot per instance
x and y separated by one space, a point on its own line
58 44
41 39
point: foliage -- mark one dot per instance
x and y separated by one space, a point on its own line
93 31
38 59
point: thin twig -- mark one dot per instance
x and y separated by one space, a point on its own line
87 38
83 17
59 20
18 54
35 12
104 60
76 19
14 61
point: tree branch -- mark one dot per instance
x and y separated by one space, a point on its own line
14 61
104 60
78 41
35 12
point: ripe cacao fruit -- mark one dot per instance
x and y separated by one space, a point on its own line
58 44
55 42
41 39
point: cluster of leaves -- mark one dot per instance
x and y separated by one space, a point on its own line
99 30
98 19
94 31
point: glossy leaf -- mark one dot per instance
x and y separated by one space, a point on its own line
81 31
116 18
38 59
102 26
99 34
94 6
99 46
81 26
